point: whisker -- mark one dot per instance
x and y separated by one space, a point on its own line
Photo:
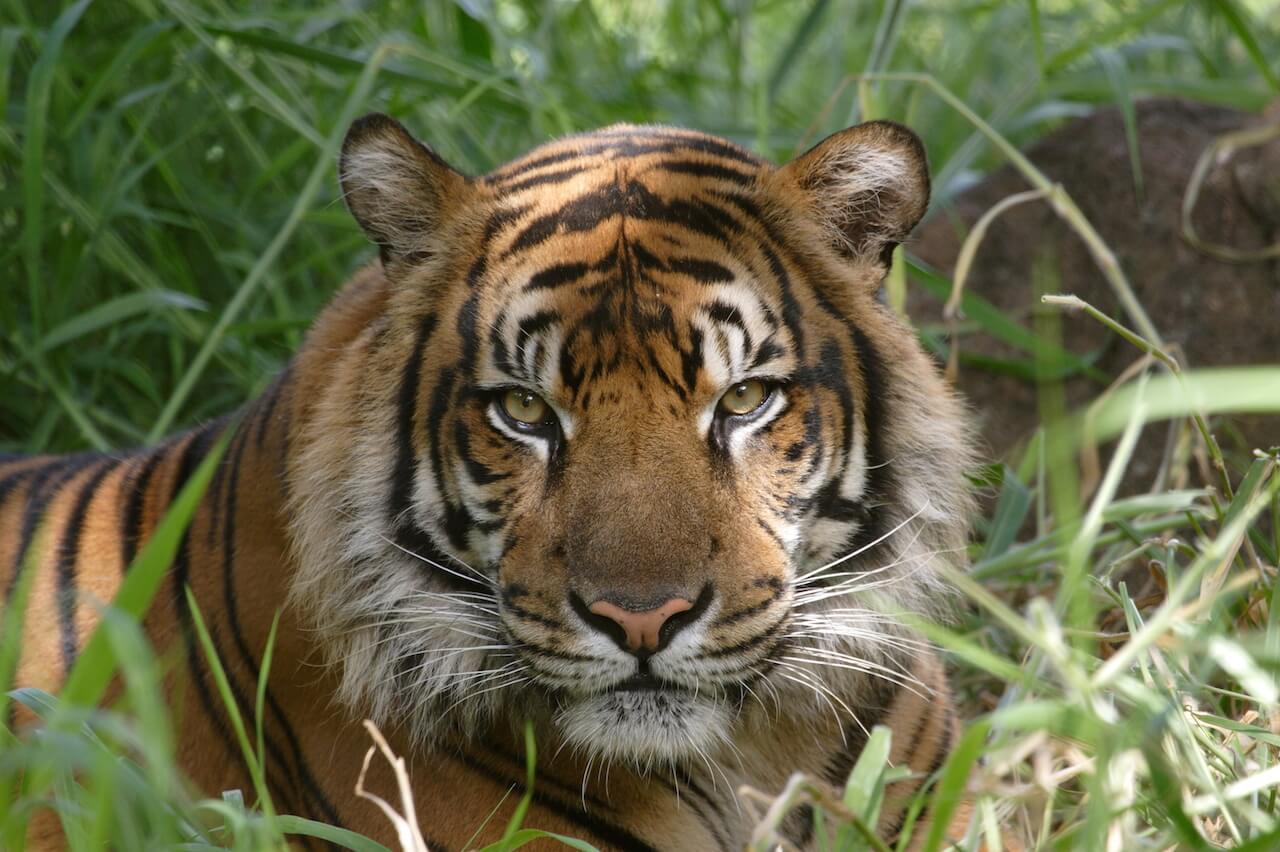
902 679
852 585
809 579
483 578
854 576
516 679
864 548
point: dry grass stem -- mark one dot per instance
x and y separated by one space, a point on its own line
407 832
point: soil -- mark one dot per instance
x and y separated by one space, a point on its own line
1212 312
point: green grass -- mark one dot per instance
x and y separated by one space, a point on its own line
169 224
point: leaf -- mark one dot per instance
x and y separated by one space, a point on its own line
864 790
996 323
303 827
800 38
1239 390
1113 65
95 666
951 784
1235 17
1011 511
34 150
115 311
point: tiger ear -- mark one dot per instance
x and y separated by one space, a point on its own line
398 189
869 185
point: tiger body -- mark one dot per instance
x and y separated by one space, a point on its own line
682 598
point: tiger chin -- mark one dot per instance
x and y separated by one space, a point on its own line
618 440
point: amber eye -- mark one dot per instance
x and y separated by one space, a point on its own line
525 407
744 397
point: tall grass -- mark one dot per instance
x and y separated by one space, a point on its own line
169 224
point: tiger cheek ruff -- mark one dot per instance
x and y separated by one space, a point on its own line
617 440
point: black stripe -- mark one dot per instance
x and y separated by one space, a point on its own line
133 518
655 366
691 358
12 480
638 141
754 609
519 761
310 789
588 210
212 500
746 645
939 758
767 352
478 471
883 693
708 170
527 329
469 314
526 649
537 618
222 503
707 145
272 398
457 520
726 314
719 825
402 478
550 177
192 453
791 314
626 142
521 167
45 483
68 550
45 486
414 540
880 485
704 271
557 276
782 545
583 213
602 829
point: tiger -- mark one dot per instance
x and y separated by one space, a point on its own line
619 444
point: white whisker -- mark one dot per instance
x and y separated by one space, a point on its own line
817 571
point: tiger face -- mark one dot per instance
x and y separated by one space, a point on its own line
632 450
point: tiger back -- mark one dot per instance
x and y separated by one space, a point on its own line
617 441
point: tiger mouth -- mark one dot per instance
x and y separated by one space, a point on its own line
645 683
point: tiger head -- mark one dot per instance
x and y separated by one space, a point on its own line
629 447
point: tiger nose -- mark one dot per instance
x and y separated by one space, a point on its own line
643 630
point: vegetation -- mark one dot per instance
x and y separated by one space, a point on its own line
169 225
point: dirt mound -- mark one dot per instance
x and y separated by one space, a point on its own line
1217 313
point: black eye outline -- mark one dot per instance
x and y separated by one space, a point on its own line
548 427
769 387
724 423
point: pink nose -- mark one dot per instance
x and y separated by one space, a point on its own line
642 628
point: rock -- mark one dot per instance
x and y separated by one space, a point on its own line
1214 312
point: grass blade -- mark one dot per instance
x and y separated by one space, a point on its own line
39 89
1238 20
319 174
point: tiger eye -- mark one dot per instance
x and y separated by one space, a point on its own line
525 406
744 397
